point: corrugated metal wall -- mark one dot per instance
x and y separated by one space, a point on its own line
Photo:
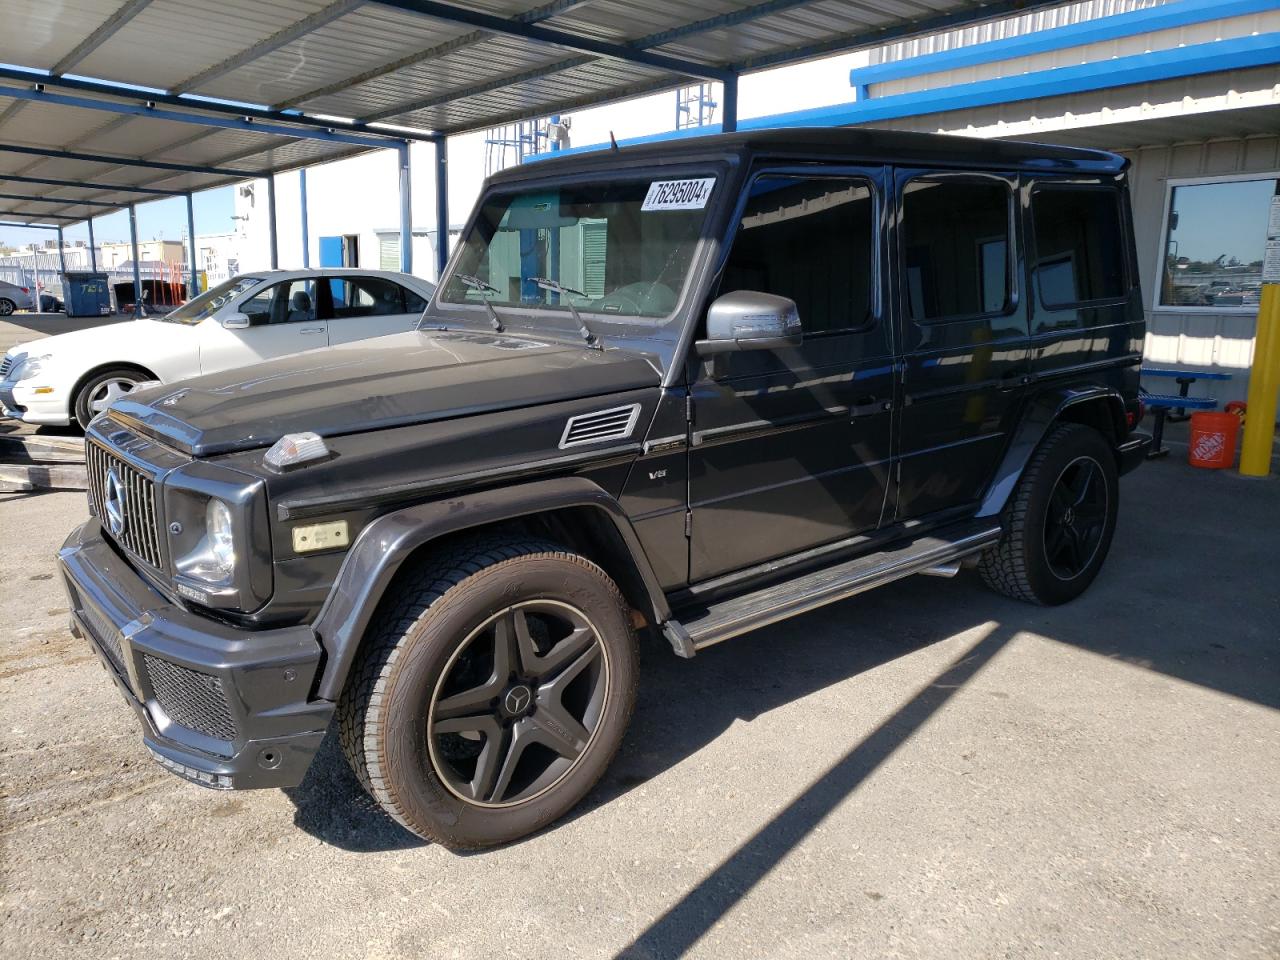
1011 27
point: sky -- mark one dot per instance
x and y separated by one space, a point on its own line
801 86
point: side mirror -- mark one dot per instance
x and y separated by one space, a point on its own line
236 321
750 320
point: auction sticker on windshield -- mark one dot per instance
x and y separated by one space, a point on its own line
678 194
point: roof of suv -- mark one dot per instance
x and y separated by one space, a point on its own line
844 143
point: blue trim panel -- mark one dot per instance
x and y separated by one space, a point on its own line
1170 16
1219 57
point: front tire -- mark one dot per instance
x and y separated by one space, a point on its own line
1059 523
102 389
492 691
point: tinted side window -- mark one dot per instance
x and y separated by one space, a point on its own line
1079 251
811 240
956 248
366 297
412 302
292 301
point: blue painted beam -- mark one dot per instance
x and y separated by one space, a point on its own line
45 216
59 200
38 94
558 38
1167 17
1221 56
208 105
127 162
29 226
81 184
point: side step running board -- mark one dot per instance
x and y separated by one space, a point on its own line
729 618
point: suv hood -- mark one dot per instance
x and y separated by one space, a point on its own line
371 384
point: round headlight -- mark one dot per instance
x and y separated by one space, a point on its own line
222 545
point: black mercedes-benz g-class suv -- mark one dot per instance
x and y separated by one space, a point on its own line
682 390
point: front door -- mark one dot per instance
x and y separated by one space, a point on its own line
283 319
791 446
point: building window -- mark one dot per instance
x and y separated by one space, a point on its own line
1079 245
1215 238
956 246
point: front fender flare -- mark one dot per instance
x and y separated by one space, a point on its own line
1041 413
383 546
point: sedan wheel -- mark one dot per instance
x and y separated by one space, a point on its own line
6 307
102 389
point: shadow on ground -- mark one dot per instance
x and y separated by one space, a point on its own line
1184 593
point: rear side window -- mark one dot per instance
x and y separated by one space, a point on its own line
810 239
1079 244
956 248
365 297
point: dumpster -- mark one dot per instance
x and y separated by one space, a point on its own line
87 294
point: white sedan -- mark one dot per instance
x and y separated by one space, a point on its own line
75 376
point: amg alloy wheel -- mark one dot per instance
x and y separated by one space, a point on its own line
1059 522
518 703
491 692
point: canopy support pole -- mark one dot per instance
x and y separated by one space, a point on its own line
271 221
442 207
194 280
137 267
306 232
406 211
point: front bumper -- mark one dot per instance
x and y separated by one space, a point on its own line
21 402
222 707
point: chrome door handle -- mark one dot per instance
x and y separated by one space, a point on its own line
312 330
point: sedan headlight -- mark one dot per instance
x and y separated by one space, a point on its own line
28 368
221 538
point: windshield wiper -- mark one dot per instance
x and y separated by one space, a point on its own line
475 283
555 286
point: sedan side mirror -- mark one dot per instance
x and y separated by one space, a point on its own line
750 320
236 321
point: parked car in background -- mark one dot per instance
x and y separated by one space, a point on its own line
72 377
14 297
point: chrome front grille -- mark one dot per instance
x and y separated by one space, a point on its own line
141 533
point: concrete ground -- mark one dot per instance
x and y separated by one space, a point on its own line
926 771
21 327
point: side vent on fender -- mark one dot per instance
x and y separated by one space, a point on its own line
615 423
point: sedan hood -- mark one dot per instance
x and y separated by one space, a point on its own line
388 381
108 338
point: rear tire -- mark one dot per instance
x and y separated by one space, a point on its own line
1059 523
492 691
7 307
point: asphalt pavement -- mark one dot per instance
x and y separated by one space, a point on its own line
929 770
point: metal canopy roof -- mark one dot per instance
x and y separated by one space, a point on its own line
298 82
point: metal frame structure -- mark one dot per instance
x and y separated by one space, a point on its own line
564 54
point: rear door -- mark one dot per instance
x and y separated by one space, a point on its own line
1086 311
791 446
963 322
283 319
364 307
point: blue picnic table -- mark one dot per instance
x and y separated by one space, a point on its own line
1161 403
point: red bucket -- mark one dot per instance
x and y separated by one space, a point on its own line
1213 440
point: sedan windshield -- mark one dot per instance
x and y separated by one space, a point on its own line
621 248
208 303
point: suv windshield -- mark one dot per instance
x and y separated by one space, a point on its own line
207 304
620 248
